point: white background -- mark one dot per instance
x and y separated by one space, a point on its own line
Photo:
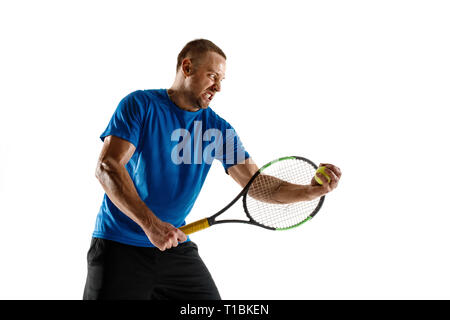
360 84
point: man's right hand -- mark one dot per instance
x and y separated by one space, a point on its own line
163 235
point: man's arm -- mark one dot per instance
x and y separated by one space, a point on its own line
119 187
281 192
242 172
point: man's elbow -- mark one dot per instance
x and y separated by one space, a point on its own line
98 171
104 168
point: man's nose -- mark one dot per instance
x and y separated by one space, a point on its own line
217 86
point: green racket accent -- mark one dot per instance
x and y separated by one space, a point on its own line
261 207
274 161
292 227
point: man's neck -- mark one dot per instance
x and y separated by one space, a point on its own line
180 99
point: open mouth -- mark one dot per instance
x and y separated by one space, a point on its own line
208 96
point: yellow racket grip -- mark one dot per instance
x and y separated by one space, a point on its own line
195 226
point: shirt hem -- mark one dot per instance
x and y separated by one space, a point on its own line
123 240
127 241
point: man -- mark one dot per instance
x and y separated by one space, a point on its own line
152 179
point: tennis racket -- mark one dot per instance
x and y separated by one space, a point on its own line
260 208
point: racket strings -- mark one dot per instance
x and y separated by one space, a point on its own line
260 202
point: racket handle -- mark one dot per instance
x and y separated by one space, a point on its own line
195 226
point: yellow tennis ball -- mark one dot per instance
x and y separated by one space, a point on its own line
322 171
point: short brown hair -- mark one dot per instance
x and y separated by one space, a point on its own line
197 48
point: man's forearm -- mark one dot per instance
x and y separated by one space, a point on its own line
289 193
121 191
273 190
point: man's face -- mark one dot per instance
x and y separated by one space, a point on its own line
205 79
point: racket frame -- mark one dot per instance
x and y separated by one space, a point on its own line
244 192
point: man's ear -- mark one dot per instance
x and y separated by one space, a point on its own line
186 67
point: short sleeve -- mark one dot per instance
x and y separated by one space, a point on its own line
127 121
233 149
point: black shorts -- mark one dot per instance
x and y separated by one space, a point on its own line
120 271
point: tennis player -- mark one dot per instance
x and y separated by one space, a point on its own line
157 152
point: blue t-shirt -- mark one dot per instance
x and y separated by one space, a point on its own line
174 152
